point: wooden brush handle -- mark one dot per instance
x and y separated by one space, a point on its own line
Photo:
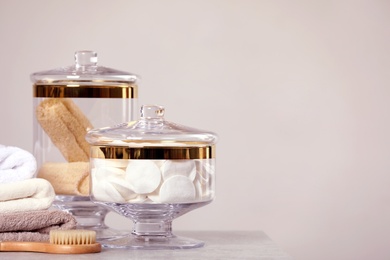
49 248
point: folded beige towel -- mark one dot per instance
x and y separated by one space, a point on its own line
26 195
33 225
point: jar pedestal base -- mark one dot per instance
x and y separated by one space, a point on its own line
152 242
152 227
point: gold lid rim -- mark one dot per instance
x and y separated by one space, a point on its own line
153 153
75 90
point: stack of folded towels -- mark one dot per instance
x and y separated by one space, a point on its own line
25 200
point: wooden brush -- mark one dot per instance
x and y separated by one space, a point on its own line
74 241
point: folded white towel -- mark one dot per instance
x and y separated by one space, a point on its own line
26 195
16 164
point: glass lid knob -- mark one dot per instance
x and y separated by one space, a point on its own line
84 59
152 112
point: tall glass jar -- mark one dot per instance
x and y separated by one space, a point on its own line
68 102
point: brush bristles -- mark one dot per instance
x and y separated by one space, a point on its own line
72 237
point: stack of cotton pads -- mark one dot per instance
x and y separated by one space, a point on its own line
159 181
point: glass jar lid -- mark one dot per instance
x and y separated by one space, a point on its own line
84 71
84 79
151 137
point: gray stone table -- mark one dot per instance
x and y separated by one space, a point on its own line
218 245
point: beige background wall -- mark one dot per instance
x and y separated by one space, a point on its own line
298 92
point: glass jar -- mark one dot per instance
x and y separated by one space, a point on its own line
68 102
152 171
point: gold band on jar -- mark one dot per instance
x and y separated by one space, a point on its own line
120 90
153 153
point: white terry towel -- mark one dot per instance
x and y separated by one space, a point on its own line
26 195
16 164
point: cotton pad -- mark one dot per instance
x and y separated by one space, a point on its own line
120 184
109 184
159 163
204 171
102 173
179 167
138 199
105 191
177 188
198 189
155 195
144 176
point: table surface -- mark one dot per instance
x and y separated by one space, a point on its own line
218 245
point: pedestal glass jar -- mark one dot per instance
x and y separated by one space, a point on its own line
152 171
68 102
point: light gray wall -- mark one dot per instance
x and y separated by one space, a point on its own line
298 92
